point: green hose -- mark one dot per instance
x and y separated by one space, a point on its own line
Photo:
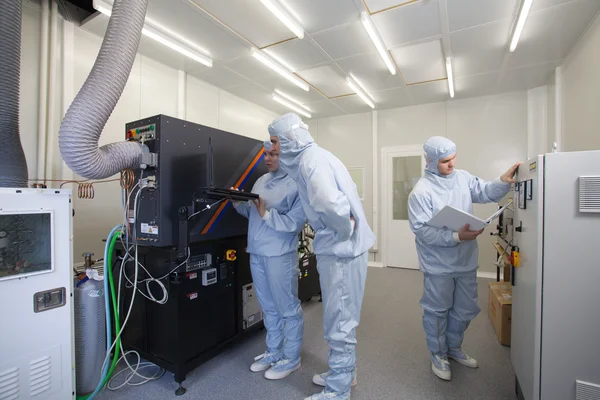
108 273
111 251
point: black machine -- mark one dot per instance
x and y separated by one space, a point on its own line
186 228
185 176
187 231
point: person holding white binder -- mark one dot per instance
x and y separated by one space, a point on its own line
448 258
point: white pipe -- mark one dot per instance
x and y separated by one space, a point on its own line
42 94
51 132
68 89
558 109
181 94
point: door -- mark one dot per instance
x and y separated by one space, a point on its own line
402 168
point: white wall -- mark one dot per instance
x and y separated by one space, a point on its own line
152 89
581 93
490 133
537 121
411 125
349 137
551 113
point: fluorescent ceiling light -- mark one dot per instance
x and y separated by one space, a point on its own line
284 17
450 77
520 24
360 91
290 98
162 38
279 60
279 69
377 41
291 106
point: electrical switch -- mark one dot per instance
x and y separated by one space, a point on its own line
230 255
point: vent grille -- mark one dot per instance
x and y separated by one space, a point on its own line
40 376
589 194
587 391
9 384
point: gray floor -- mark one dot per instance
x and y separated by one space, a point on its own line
392 357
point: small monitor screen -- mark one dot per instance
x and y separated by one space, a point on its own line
25 244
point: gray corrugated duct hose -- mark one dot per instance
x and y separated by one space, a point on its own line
13 166
87 115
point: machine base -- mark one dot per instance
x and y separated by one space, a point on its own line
201 316
180 391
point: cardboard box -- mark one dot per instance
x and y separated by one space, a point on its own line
500 310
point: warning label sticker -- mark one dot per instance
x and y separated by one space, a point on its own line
151 229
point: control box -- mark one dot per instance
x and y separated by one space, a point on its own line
185 159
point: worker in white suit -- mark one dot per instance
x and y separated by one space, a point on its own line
342 239
275 221
449 259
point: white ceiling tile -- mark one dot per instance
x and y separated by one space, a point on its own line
467 13
98 23
431 92
318 15
186 20
325 108
481 48
251 19
290 89
345 41
352 104
158 52
476 85
329 78
392 98
525 78
371 71
220 76
298 54
256 71
378 5
409 23
257 95
540 4
421 62
251 68
550 33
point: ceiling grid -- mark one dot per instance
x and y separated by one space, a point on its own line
419 36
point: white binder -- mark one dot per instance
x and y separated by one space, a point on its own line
455 219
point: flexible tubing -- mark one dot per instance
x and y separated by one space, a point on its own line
84 121
13 166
